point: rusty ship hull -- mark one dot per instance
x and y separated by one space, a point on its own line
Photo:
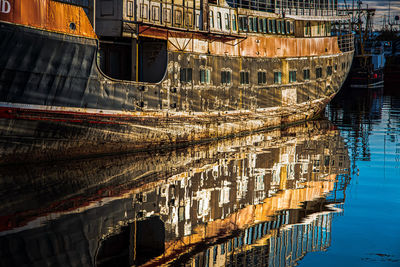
56 102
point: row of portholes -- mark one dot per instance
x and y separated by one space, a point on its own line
186 75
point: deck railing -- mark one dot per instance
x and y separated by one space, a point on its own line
346 42
290 7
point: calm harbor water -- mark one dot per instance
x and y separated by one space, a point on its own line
325 192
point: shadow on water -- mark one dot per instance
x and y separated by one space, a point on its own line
268 197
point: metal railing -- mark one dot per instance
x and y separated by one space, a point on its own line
290 7
346 42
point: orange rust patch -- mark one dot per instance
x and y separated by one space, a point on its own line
49 15
262 46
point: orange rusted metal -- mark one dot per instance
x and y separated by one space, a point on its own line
151 32
253 46
49 15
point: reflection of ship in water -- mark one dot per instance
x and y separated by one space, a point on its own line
265 197
359 118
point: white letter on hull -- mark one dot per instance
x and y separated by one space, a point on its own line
5 6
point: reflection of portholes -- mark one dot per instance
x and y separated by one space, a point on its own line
72 26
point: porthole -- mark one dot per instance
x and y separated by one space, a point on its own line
72 26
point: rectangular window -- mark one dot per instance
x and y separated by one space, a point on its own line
202 76
307 29
198 21
230 246
262 77
211 15
226 77
328 28
219 21
277 77
269 26
260 25
265 25
292 76
255 24
167 15
273 26
335 67
234 27
244 77
205 76
178 17
288 27
329 70
318 72
186 74
130 9
306 74
251 25
278 28
283 27
143 11
243 23
227 22
189 19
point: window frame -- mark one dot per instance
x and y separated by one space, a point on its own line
186 75
226 77
219 21
244 77
211 18
227 22
234 23
329 70
292 76
262 77
306 74
318 72
277 77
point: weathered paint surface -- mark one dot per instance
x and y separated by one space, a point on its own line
258 46
49 15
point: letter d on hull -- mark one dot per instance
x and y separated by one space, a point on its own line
5 6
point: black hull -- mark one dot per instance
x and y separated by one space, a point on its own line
364 79
55 103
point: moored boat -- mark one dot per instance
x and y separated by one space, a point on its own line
91 77
368 68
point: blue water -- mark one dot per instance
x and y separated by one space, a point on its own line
368 233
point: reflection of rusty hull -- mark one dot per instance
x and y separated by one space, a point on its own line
116 176
105 194
252 214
